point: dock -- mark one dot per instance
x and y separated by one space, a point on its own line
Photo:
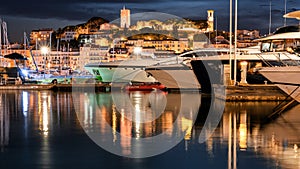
268 92
60 87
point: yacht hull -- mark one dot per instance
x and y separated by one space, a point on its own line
286 78
120 74
131 70
176 76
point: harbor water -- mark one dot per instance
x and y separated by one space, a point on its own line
47 129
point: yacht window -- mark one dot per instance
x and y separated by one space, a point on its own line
278 46
265 47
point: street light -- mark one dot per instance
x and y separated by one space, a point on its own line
44 51
137 50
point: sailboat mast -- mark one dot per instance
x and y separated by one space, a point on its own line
24 42
216 28
1 36
1 42
50 41
30 50
5 37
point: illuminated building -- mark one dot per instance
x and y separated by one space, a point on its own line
125 18
41 36
210 20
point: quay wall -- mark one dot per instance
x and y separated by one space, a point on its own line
255 93
232 93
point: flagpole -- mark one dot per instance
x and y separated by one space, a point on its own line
230 41
235 42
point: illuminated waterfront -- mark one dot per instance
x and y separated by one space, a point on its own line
42 129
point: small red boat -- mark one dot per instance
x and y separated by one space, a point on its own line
145 87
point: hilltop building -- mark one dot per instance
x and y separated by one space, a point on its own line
210 20
41 36
248 34
69 35
125 18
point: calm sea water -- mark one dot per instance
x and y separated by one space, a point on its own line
44 129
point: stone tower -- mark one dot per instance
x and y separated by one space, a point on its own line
210 20
125 18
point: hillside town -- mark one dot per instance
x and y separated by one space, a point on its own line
99 40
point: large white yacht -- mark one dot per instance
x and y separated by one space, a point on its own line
287 77
213 67
129 70
179 75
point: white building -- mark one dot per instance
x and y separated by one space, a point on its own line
68 35
91 54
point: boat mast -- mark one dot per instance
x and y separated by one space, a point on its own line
1 42
30 50
0 36
216 29
5 37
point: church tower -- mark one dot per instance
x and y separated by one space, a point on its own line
125 18
210 20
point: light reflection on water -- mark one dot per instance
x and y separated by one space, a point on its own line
133 124
40 129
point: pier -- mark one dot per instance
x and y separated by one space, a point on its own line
255 93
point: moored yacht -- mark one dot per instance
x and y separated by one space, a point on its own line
212 66
174 76
179 75
132 69
286 77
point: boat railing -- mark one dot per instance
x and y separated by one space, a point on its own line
292 60
281 57
174 59
264 60
277 55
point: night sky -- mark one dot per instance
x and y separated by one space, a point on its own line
35 14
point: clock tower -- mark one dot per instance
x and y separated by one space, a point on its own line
210 20
125 18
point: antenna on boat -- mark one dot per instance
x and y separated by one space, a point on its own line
284 12
270 19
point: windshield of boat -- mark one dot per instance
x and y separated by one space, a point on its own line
289 45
